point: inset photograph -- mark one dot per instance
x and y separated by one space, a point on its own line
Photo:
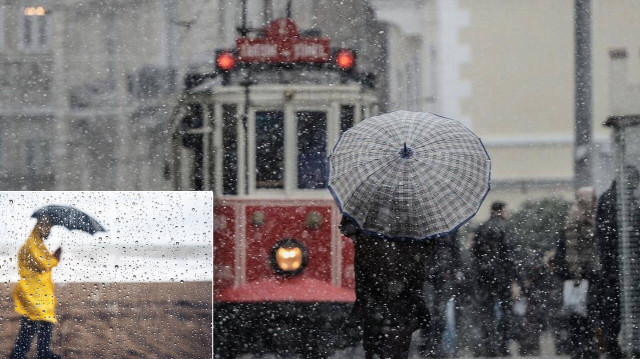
106 274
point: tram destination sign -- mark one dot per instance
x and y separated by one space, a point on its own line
283 43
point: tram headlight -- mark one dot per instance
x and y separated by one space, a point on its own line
289 257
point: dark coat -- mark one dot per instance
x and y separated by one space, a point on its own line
493 255
389 303
608 291
445 260
607 239
581 253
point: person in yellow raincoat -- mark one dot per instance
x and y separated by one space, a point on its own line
33 295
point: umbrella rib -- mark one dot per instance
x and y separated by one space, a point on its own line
439 155
363 164
364 181
442 136
444 180
426 127
381 182
365 147
439 212
435 172
372 134
387 204
437 205
465 167
411 128
441 139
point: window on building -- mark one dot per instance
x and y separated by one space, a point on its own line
312 149
35 28
38 155
269 149
229 149
38 163
151 82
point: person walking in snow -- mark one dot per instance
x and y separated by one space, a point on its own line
389 302
492 254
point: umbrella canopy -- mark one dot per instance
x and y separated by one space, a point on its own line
69 217
409 175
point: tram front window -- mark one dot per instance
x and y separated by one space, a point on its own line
346 117
312 149
269 149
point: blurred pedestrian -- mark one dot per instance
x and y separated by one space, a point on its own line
33 294
496 275
444 273
538 302
582 268
607 239
389 279
552 306
558 322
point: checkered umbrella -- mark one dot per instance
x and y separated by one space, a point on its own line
409 175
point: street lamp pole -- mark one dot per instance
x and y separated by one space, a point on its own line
583 98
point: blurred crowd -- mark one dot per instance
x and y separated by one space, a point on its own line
481 298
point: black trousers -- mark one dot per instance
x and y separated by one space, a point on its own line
434 345
494 313
28 329
610 322
582 337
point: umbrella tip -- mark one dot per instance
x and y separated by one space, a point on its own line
406 152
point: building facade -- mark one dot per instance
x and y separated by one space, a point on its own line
87 88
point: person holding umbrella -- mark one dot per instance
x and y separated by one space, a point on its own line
33 295
402 181
389 304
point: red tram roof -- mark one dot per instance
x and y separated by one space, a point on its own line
283 43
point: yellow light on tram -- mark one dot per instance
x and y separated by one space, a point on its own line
289 259
34 11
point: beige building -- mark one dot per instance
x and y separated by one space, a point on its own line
506 69
403 64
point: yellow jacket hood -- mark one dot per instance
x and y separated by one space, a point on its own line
33 295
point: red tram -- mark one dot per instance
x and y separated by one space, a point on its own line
258 135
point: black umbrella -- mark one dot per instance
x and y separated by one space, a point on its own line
69 217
